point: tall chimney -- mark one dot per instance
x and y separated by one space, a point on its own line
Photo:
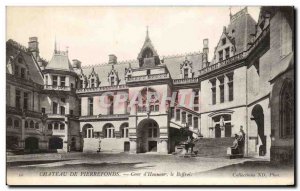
33 46
205 53
112 59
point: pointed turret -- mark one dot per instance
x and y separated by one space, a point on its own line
148 56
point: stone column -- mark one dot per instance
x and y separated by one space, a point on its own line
66 138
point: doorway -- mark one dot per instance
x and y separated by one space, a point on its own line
126 146
152 146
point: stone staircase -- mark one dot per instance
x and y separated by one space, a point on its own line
213 147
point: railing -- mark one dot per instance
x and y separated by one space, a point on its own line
185 81
239 56
114 116
22 112
104 88
13 78
58 88
148 77
226 62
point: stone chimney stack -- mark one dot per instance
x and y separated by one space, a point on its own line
33 46
76 64
112 59
205 52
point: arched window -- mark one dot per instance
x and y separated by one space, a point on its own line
26 124
16 123
55 126
62 126
9 122
31 124
37 125
287 110
109 131
124 130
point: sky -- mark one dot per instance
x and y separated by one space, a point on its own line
92 33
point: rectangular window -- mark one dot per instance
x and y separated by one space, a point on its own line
213 92
18 99
81 84
227 55
54 80
148 72
190 118
186 73
91 106
221 55
43 110
177 114
62 110
112 81
92 83
230 87
195 122
172 112
111 107
63 81
63 100
16 70
71 112
23 73
183 117
221 86
25 101
55 108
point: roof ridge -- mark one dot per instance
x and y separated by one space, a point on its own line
134 60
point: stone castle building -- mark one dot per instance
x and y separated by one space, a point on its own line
63 106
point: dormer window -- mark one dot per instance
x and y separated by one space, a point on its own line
220 55
23 73
223 41
112 80
186 69
93 79
63 81
227 55
148 53
186 73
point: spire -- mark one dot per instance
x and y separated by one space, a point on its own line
55 47
147 33
230 14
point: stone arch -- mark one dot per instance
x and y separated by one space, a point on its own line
108 130
88 131
124 130
287 109
147 136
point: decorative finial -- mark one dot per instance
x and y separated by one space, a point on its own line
147 32
230 14
55 46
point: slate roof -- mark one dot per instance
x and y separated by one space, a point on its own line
240 28
14 50
60 61
172 63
